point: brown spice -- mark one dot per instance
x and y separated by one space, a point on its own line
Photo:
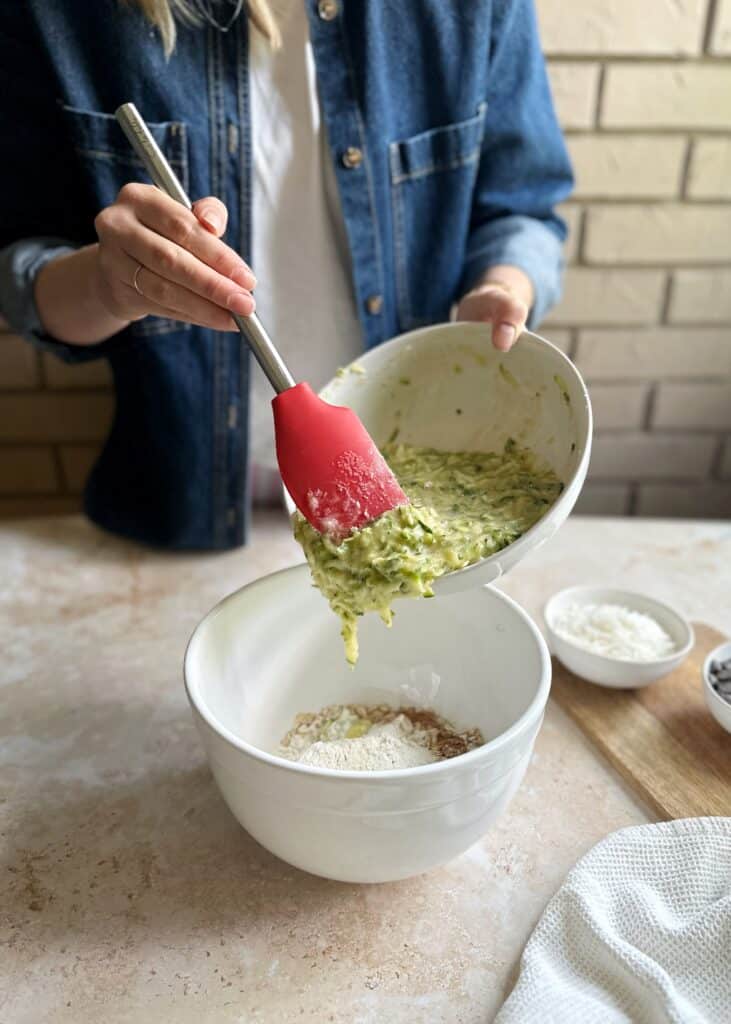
444 740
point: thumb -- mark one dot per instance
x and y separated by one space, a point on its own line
212 214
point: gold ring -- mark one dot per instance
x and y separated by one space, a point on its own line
134 281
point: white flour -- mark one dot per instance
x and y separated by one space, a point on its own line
374 737
382 747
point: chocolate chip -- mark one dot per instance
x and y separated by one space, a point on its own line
723 690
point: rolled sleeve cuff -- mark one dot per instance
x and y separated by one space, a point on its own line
19 265
522 242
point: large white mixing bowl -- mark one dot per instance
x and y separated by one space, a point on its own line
447 387
273 649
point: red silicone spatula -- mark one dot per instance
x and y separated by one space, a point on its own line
336 476
329 464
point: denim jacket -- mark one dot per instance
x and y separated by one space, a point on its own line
462 164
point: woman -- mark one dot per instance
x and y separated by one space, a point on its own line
374 161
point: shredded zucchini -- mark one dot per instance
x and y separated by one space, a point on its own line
464 506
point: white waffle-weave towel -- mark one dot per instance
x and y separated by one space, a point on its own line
639 933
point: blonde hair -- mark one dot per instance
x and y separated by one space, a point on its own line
162 14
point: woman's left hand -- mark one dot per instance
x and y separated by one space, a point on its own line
503 299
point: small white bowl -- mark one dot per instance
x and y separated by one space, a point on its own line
618 672
718 707
273 649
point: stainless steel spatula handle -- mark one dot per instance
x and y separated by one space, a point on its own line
165 178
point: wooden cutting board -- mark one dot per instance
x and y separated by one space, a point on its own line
662 739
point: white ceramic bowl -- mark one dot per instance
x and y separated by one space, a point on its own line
617 672
273 649
718 707
462 394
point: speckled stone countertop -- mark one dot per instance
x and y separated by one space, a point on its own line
128 893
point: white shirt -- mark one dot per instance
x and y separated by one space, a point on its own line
304 295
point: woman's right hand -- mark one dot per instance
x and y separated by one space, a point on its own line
156 258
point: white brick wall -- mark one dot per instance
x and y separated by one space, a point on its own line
725 469
658 233
721 36
59 376
647 456
643 91
564 340
593 296
629 166
684 95
573 214
618 406
31 470
709 176
700 296
648 27
575 90
705 501
654 353
693 406
603 499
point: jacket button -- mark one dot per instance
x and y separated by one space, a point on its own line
328 9
374 304
352 157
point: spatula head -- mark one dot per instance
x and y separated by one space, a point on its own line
336 476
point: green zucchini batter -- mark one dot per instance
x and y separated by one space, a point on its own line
463 507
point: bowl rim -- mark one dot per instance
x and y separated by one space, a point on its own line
707 686
606 660
532 713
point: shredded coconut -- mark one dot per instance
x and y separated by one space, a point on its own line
614 631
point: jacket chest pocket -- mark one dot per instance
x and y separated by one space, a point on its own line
432 182
108 162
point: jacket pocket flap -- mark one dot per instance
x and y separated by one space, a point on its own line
440 149
100 136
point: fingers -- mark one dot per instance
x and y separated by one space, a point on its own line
120 230
175 257
504 335
493 304
179 270
212 214
147 205
174 223
508 321
154 293
182 304
205 316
